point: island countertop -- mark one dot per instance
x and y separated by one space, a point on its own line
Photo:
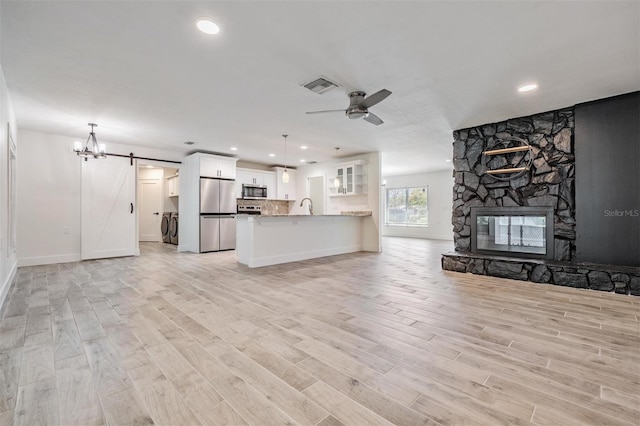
349 213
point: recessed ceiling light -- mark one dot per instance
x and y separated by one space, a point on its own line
303 161
272 155
447 160
233 148
207 26
527 87
303 147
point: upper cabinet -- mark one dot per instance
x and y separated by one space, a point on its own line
276 189
285 191
269 180
350 179
256 177
172 186
217 167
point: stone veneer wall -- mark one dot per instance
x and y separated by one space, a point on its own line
550 182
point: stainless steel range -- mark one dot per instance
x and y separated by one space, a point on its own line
250 209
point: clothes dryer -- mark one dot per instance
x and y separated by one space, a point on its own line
165 224
173 228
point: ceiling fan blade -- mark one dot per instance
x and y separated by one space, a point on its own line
370 101
373 119
327 110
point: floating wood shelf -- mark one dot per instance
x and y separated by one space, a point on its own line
511 170
507 150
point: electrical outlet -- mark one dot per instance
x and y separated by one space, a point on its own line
66 230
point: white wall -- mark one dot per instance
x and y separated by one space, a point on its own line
49 188
439 202
334 205
7 257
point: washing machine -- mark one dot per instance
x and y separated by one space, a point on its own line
173 228
165 224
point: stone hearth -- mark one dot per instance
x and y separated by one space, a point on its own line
624 280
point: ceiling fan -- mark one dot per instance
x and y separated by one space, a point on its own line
359 106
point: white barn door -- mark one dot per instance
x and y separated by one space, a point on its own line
108 208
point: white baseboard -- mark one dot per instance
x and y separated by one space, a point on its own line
48 260
6 285
422 237
372 248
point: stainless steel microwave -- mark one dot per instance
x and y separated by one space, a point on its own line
253 192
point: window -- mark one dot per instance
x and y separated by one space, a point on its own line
407 206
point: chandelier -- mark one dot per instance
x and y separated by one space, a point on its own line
96 151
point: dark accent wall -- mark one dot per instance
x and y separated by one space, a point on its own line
607 151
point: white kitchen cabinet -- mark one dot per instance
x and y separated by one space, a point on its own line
256 177
250 176
217 167
285 191
172 186
269 180
351 179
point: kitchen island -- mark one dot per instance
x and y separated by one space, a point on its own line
271 240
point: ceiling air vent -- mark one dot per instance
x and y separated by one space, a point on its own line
320 85
189 142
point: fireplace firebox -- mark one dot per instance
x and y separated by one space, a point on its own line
513 231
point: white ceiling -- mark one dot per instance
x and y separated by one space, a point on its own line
144 73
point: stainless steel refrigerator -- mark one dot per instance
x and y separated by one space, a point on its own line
217 214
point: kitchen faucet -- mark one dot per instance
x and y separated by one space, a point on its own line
310 204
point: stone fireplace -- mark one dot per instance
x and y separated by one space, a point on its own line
549 183
514 214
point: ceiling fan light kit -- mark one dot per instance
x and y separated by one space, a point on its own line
359 106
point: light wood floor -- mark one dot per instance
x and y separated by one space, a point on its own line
361 339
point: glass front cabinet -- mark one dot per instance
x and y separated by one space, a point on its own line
350 179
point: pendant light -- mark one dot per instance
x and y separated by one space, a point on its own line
285 174
97 150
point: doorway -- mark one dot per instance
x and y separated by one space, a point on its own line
156 195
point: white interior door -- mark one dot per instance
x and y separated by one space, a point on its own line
108 208
149 209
